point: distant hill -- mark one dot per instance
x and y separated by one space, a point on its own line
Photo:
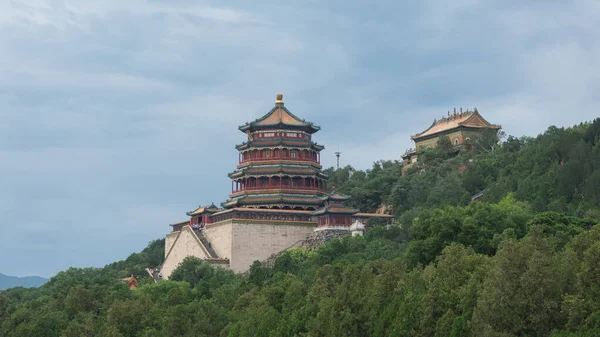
27 282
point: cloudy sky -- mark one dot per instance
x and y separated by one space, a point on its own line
117 117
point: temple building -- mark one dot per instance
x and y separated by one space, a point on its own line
279 196
460 127
278 165
132 282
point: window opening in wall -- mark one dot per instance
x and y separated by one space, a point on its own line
294 154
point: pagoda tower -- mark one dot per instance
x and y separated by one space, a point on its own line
278 199
279 165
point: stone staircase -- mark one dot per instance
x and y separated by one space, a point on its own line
207 245
209 248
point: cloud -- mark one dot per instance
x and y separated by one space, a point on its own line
119 116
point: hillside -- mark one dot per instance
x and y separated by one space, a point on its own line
557 171
524 262
26 282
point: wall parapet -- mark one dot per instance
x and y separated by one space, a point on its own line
263 222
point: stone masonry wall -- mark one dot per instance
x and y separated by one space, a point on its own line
258 241
170 238
313 241
319 238
186 245
220 237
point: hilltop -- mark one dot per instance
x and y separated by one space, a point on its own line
558 171
529 251
26 282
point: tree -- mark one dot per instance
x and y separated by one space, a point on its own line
192 270
525 284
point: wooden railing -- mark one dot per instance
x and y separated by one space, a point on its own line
282 187
278 158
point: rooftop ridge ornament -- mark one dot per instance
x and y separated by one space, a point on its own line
279 99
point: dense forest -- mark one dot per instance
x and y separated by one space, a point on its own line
523 262
558 171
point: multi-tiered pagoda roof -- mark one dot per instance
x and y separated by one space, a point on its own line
279 177
279 165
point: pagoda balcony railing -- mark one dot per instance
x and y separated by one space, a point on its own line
243 161
283 187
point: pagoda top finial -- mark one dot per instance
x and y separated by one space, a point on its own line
279 99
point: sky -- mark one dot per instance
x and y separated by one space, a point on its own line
117 117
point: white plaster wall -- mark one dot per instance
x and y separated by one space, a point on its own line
219 236
169 241
259 241
186 244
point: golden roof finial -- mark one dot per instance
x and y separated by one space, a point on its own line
279 99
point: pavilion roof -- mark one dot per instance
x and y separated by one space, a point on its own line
471 119
373 215
127 279
264 210
183 222
276 198
204 209
335 196
335 209
279 116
